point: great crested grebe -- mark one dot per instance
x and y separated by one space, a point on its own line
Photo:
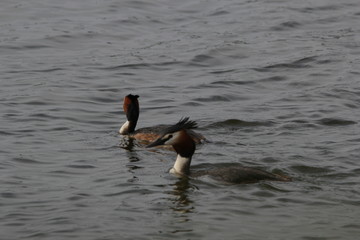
148 134
177 136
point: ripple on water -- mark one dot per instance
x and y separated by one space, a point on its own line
24 47
27 160
295 64
46 70
7 133
335 122
81 166
137 66
286 26
231 123
216 98
273 79
311 170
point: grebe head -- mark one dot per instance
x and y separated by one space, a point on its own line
132 110
178 137
176 134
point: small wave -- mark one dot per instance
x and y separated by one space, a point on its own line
240 123
42 115
191 104
24 47
8 195
156 65
6 133
330 7
127 192
286 25
79 196
60 129
35 70
109 89
273 79
36 103
103 99
219 12
26 160
295 124
304 169
213 99
223 71
62 173
85 166
335 122
216 84
203 60
300 63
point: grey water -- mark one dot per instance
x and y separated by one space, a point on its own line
273 84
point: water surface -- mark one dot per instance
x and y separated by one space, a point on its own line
273 85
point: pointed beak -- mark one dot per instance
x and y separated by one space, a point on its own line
157 142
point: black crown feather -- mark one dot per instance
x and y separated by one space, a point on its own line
184 123
132 97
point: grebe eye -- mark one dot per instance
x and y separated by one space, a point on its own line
167 137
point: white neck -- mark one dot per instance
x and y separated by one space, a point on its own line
124 128
181 166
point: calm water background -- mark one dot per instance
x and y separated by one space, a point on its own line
273 84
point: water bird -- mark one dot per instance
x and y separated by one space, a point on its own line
177 136
147 134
